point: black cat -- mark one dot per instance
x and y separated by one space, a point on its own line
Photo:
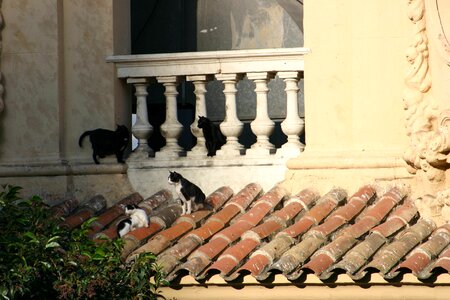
214 139
191 196
106 142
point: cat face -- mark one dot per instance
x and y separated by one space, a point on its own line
202 122
174 177
124 133
130 208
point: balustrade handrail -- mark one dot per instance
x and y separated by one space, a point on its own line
259 65
209 62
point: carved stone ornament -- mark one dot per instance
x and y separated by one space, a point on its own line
436 207
427 126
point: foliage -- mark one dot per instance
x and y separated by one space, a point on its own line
40 260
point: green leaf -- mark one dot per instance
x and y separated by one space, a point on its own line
71 262
52 245
51 242
32 237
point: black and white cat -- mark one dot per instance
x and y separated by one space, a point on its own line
136 218
106 142
214 139
123 227
191 196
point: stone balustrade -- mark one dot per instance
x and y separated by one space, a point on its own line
228 67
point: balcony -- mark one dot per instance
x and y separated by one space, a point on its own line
261 67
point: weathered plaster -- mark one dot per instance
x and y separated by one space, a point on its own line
58 85
29 65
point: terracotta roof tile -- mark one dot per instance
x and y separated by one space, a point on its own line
228 235
251 233
423 254
232 256
387 257
182 225
155 200
88 210
238 203
343 242
65 208
317 236
286 238
441 265
357 257
165 218
113 213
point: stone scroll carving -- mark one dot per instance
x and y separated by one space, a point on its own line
427 106
427 125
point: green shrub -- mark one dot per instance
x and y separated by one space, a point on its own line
40 260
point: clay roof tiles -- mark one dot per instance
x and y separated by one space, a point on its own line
261 234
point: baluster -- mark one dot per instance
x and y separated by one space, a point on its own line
171 129
262 126
200 110
231 127
142 129
293 125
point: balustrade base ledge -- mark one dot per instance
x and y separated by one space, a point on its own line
191 161
60 169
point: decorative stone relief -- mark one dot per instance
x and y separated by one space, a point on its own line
436 207
427 105
426 125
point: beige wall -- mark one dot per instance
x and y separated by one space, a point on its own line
58 84
354 74
31 124
354 80
89 82
307 292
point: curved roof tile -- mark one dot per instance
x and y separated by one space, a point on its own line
252 234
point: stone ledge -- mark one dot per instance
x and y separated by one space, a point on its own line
346 160
186 162
59 169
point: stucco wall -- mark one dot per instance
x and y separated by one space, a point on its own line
57 85
355 74
31 124
354 81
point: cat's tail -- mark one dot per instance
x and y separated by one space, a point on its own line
80 140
